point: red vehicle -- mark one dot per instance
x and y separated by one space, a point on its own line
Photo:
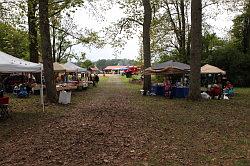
131 71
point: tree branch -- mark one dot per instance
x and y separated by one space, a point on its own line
138 22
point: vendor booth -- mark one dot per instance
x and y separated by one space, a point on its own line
115 69
167 69
68 79
72 80
214 82
11 64
211 75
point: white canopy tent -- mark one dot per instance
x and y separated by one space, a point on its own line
59 67
71 67
11 64
209 69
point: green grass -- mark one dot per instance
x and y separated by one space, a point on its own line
103 78
124 79
218 125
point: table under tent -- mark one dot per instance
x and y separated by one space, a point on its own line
60 74
11 64
78 77
170 69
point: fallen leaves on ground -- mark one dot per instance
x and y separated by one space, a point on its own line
113 124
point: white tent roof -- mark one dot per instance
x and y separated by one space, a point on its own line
10 64
209 69
59 67
71 67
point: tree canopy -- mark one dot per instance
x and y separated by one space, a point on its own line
14 41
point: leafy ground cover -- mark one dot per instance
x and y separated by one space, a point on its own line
113 124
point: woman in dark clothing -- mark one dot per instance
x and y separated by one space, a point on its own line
96 78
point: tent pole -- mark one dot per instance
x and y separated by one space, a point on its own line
41 91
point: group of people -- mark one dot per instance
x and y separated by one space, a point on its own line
66 77
73 77
94 79
218 90
24 89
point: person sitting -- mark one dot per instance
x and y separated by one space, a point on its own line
23 91
74 77
228 90
216 90
16 89
58 79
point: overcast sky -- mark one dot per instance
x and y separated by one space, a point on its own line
220 25
84 20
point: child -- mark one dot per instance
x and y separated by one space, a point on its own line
167 87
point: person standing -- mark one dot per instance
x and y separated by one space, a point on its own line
167 87
96 78
92 79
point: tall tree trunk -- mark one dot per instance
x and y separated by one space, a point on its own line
47 52
188 47
183 31
33 42
246 37
196 49
32 22
245 41
248 34
146 43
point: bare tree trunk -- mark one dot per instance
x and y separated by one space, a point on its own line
196 49
33 44
188 43
183 31
47 52
146 43
246 37
188 47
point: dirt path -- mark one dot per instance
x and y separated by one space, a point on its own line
100 129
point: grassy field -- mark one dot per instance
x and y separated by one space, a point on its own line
112 124
217 128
